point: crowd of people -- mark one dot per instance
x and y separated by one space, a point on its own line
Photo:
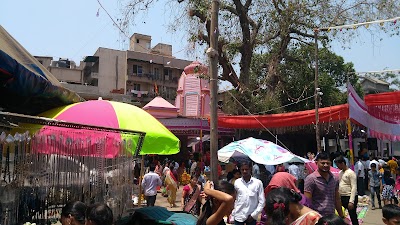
253 194
281 194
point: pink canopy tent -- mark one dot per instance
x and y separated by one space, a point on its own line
161 108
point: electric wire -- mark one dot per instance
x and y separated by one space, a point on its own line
248 111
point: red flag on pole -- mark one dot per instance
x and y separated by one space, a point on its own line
155 88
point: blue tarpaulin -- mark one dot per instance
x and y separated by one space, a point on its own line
162 216
26 86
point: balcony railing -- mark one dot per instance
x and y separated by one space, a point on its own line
143 77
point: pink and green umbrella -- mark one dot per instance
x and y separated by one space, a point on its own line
158 140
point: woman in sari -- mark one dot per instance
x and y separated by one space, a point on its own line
171 182
191 197
283 208
180 171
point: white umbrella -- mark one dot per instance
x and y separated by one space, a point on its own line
260 151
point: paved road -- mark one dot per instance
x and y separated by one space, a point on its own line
162 201
373 217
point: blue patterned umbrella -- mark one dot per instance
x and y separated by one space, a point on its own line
260 151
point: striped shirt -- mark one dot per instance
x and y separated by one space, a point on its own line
323 192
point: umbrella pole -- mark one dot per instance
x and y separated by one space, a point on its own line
349 133
140 180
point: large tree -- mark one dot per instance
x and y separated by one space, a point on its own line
296 90
248 27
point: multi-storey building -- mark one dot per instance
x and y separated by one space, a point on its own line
135 76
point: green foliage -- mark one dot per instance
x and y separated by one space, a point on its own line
270 44
256 102
296 89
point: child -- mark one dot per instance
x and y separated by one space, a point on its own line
391 214
374 185
388 186
397 186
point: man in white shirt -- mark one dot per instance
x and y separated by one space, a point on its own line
348 188
294 170
150 183
249 197
193 167
176 165
359 170
302 175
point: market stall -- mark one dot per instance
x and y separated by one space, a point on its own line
86 151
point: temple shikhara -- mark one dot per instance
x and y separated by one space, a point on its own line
188 119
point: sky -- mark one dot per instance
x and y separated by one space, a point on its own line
72 29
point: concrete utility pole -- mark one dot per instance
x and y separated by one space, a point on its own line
316 93
212 53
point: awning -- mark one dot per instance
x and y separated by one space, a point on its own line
26 86
388 98
307 117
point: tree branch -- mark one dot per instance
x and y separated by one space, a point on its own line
229 9
293 59
269 38
277 7
198 14
247 5
228 73
302 41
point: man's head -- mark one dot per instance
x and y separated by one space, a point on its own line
373 166
323 162
99 214
391 214
341 163
236 173
152 167
245 170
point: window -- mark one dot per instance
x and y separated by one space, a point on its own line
136 87
137 41
167 74
138 70
157 73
